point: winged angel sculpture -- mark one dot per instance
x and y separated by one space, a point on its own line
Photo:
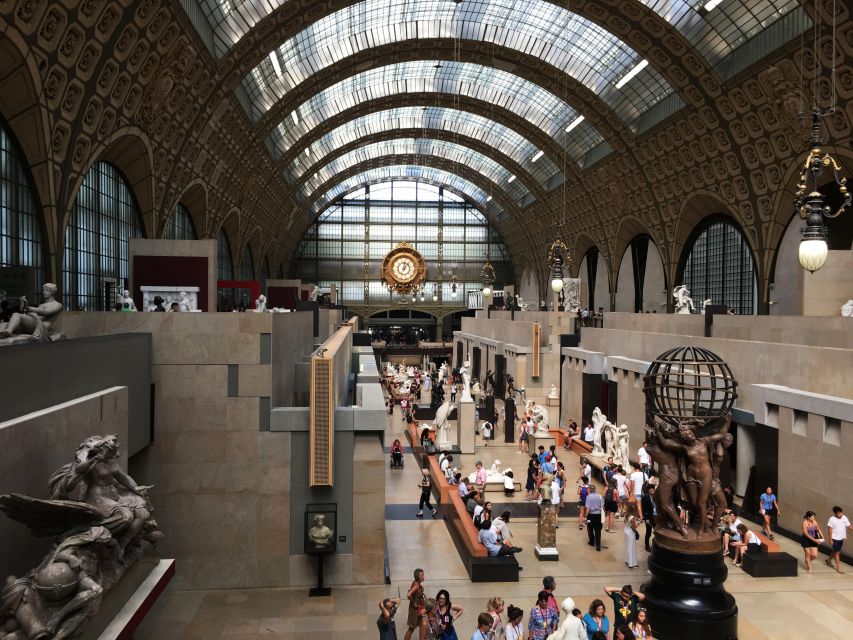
102 522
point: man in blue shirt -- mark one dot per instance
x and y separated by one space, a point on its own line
489 540
593 506
541 454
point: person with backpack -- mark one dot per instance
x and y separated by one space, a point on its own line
583 492
611 505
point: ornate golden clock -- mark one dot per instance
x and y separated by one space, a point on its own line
403 269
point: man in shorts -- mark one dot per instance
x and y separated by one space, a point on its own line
838 525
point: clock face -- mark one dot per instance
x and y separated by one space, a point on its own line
403 269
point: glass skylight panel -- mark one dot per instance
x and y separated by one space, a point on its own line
462 155
408 172
716 33
539 107
587 52
494 134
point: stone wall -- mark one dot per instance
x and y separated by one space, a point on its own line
34 445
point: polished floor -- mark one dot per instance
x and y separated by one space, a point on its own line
817 606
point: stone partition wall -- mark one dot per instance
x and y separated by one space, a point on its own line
34 445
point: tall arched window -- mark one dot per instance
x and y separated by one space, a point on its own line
224 269
247 266
20 228
719 267
105 217
264 274
180 225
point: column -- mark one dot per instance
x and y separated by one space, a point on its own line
745 457
465 427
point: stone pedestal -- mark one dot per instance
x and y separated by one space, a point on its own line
552 402
545 440
546 533
465 427
686 597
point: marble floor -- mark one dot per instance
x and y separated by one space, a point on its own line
817 606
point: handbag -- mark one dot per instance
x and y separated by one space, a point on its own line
636 535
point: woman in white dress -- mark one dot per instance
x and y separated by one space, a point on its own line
631 535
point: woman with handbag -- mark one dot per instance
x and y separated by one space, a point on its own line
631 535
812 538
417 599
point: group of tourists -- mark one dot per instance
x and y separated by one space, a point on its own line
437 618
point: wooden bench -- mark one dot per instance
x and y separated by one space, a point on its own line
767 544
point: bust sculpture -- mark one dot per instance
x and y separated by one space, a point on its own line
261 304
34 324
320 534
545 488
683 301
847 309
553 394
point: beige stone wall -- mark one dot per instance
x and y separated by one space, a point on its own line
571 394
35 445
368 546
813 473
826 290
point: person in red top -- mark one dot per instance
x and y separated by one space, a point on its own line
548 585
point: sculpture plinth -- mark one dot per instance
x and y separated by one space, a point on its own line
686 597
689 395
546 532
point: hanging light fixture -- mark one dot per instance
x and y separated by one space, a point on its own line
434 293
454 282
558 254
809 203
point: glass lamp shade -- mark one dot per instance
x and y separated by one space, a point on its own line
813 254
557 285
435 298
487 290
422 297
453 294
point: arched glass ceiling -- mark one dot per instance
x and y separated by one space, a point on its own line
431 174
464 123
539 107
585 51
421 146
714 33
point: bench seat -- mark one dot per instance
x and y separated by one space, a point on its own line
774 564
493 569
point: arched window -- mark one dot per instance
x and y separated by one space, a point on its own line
247 266
180 225
719 267
224 269
104 219
264 274
20 228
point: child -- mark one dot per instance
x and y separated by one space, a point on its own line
509 483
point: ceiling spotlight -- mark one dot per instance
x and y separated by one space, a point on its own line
537 155
511 178
307 151
295 117
574 123
712 4
489 199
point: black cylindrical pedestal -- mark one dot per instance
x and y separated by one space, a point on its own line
685 597
509 420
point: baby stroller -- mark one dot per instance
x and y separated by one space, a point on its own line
396 455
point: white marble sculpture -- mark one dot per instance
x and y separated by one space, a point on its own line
410 371
572 294
683 301
465 372
476 391
847 309
522 304
539 414
609 433
442 426
186 297
599 421
553 394
314 292
126 299
493 476
34 324
261 304
705 304
621 447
